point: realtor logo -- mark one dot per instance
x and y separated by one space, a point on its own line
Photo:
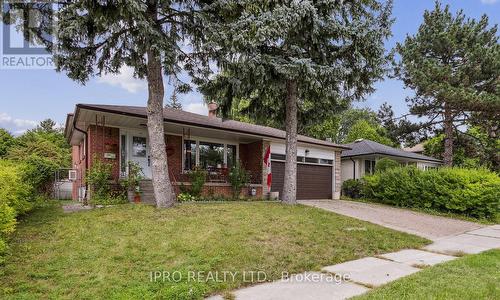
22 48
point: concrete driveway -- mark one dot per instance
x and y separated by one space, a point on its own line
431 227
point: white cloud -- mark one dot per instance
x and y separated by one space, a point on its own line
489 1
15 125
125 79
197 108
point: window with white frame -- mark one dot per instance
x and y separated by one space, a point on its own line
369 166
302 159
208 155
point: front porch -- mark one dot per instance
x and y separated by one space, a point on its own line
187 147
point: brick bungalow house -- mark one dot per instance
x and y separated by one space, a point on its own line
118 134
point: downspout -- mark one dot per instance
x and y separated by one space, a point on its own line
353 167
86 142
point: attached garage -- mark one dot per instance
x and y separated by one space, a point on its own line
313 181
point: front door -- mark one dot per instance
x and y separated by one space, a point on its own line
139 153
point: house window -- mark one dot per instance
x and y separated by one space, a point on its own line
123 155
326 161
311 160
275 156
369 167
189 155
139 146
211 155
231 156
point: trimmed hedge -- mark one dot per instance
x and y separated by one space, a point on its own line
470 192
15 199
352 188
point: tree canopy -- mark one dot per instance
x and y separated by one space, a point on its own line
296 59
453 65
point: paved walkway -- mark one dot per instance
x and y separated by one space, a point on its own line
424 225
452 238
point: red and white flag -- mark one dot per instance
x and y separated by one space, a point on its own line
267 162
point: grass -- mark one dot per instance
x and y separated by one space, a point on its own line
494 220
470 277
110 253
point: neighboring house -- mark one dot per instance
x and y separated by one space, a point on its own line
418 148
361 159
118 134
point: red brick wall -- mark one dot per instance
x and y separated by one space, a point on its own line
251 158
174 153
104 140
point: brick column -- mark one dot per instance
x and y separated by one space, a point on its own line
265 189
338 168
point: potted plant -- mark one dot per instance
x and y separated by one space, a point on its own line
137 194
135 175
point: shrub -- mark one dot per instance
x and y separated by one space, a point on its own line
197 178
98 177
385 163
185 197
239 178
352 188
15 199
471 192
38 172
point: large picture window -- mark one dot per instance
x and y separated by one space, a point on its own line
211 156
208 155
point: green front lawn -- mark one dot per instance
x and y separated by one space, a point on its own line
111 252
470 277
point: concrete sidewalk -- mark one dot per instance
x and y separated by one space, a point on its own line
370 272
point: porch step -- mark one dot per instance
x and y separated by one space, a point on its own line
147 195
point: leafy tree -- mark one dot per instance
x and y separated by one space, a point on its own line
401 130
453 64
48 126
385 163
298 56
97 37
363 130
6 142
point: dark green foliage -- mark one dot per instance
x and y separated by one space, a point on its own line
385 163
453 65
239 178
39 172
6 142
99 178
264 47
197 178
352 188
474 193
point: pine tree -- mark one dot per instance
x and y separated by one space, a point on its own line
96 37
174 101
287 57
453 65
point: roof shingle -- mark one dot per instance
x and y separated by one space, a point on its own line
367 147
187 118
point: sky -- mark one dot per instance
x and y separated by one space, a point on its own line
29 96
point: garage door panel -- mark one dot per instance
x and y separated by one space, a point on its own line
313 181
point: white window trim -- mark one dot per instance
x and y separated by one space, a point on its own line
207 140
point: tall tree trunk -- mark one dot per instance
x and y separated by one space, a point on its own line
290 182
159 168
448 137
